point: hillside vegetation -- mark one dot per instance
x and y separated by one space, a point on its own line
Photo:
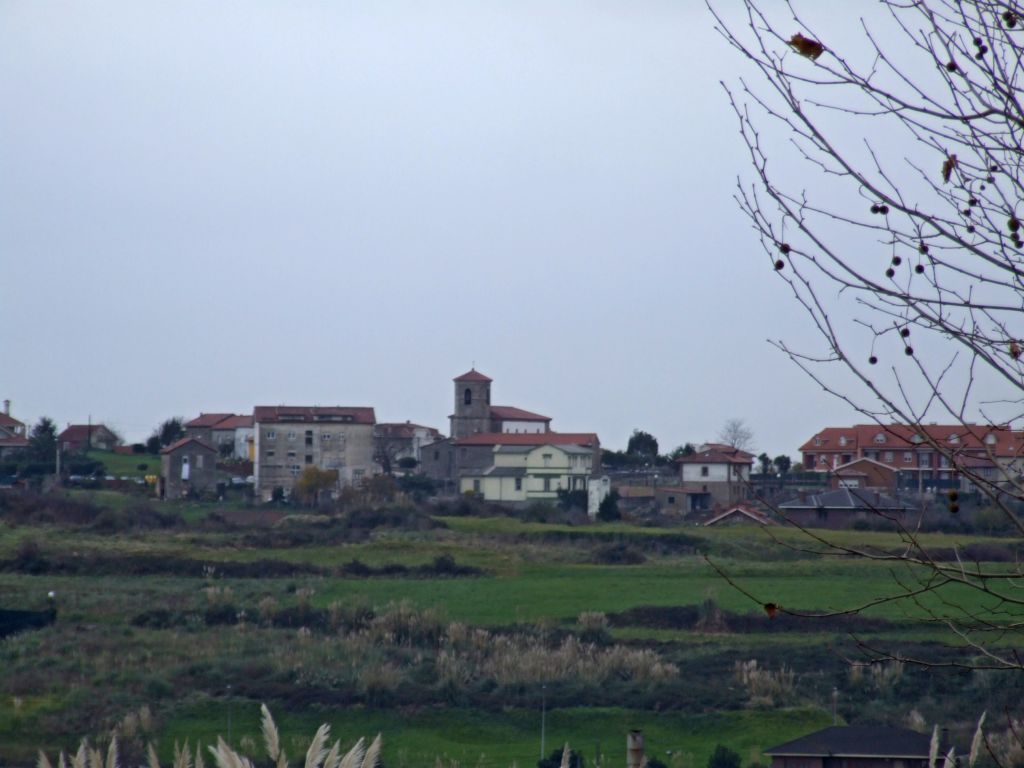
447 633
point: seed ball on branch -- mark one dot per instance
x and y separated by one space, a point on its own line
919 269
970 228
779 264
872 360
908 351
951 66
884 210
897 260
890 272
922 248
904 332
785 248
1013 224
978 42
876 208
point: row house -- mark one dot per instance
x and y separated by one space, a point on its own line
523 473
290 438
229 434
925 455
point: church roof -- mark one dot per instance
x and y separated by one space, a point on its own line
511 413
472 375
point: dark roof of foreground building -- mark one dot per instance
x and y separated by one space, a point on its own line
858 741
846 498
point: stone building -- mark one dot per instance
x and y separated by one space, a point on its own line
84 437
188 466
290 438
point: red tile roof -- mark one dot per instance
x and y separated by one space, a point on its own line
717 454
14 442
742 509
472 375
530 438
185 441
235 422
270 414
511 413
898 437
78 433
207 419
9 421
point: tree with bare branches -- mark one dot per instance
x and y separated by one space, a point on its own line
886 191
736 434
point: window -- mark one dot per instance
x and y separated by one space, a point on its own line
888 457
291 435
847 458
547 483
295 469
199 461
309 458
954 439
547 459
703 471
817 441
270 454
990 439
476 483
309 437
325 435
519 483
437 455
916 439
291 454
842 440
671 499
908 457
271 435
467 396
880 437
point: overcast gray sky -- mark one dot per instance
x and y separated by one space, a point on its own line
209 206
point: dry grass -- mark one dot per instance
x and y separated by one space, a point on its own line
317 754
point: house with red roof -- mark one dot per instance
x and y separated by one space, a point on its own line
289 438
720 472
924 455
13 434
229 433
188 467
394 441
84 437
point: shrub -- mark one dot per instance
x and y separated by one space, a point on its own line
608 510
723 757
618 554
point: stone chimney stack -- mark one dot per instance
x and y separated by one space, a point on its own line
635 749
7 407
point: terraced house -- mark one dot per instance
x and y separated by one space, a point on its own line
922 455
289 438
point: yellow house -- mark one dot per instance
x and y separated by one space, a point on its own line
530 472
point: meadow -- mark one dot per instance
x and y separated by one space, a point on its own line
449 634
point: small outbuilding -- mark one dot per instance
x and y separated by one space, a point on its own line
187 467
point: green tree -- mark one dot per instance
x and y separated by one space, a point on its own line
42 441
687 449
608 509
886 185
313 483
766 463
169 431
723 757
642 444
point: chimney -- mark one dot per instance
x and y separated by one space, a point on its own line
7 407
635 749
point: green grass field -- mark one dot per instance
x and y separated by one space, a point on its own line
126 638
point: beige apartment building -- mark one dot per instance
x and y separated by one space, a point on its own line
290 438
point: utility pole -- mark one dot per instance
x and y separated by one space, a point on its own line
543 717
